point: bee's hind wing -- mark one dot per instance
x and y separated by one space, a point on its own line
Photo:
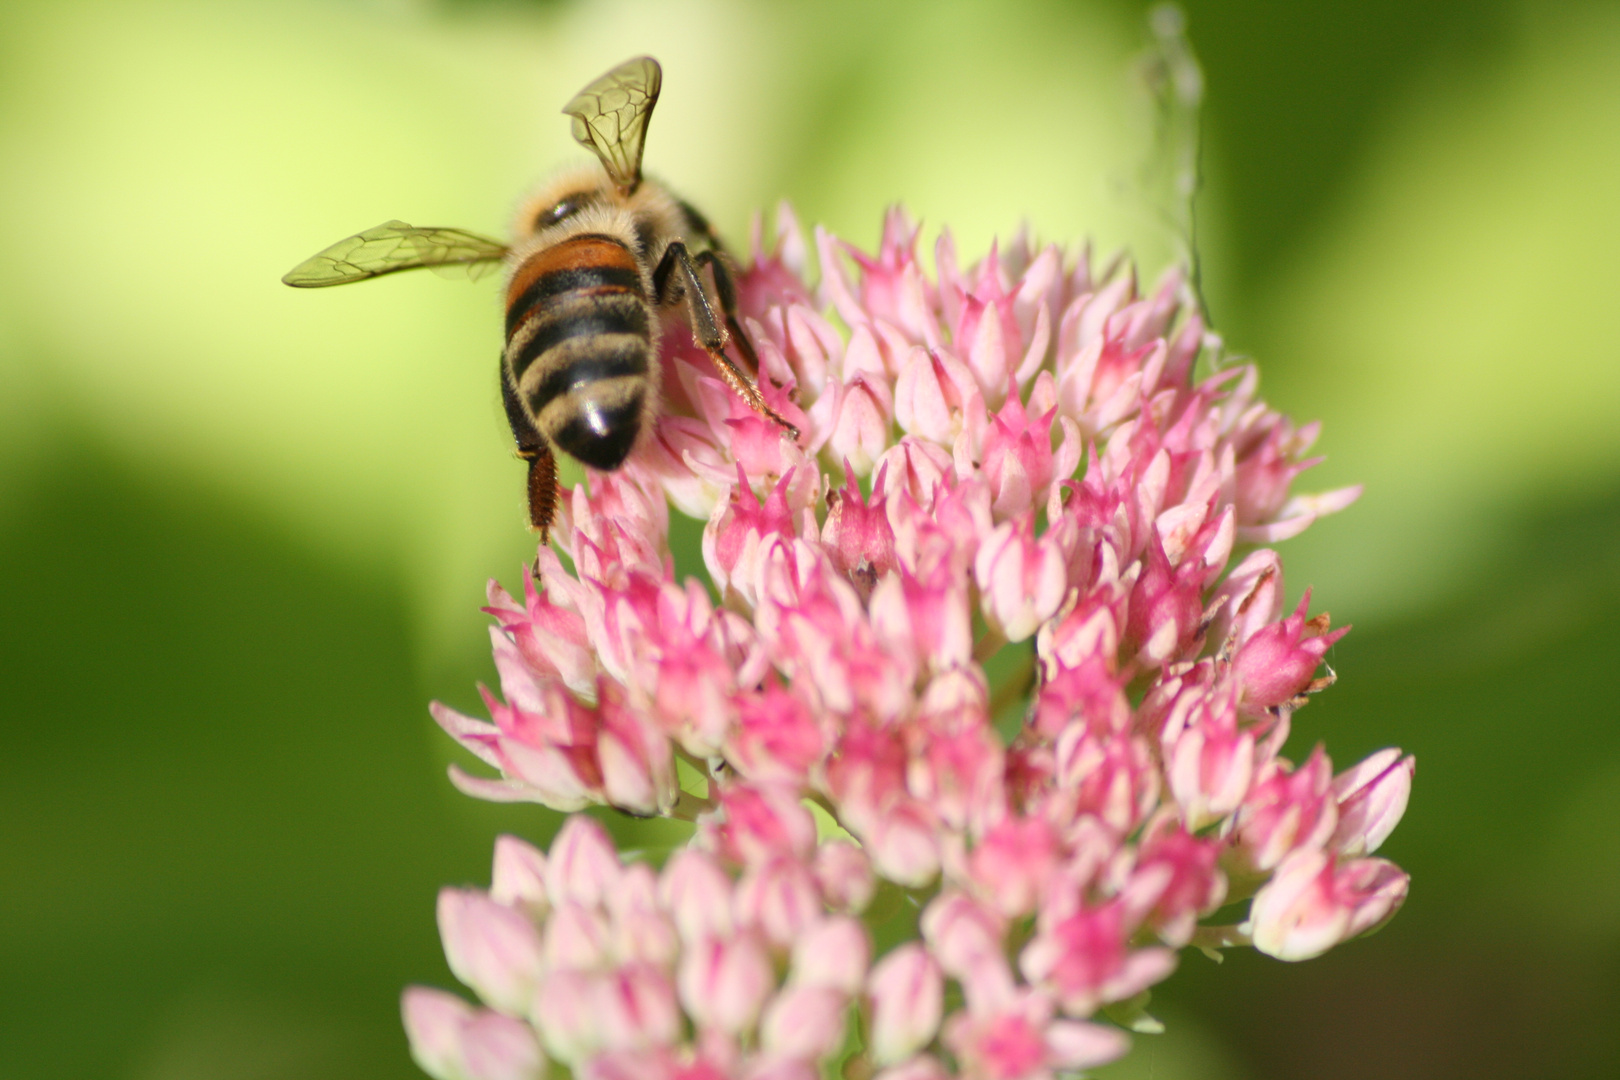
393 246
611 114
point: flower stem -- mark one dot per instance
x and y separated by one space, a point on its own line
1015 687
987 646
688 806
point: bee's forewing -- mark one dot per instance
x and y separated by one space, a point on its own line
611 114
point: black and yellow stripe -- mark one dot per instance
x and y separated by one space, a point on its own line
579 346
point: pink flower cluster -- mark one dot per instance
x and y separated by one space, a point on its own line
599 966
1015 455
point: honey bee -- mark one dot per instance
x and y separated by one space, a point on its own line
599 255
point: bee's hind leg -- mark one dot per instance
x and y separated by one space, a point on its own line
533 448
542 488
677 278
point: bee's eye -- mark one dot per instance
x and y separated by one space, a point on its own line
562 210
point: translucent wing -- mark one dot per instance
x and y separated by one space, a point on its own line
392 246
611 114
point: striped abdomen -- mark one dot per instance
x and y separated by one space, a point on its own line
579 336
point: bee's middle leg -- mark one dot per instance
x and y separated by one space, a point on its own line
725 288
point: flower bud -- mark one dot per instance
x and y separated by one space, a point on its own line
1108 774
1081 958
492 948
567 1013
1089 695
908 995
1313 902
860 432
962 934
778 898
1287 811
1022 580
1167 606
757 824
636 761
433 1023
1278 660
845 876
519 876
1250 597
805 1022
1012 863
734 537
549 636
642 930
1017 456
833 953
576 938
682 457
452 1041
697 894
932 394
583 865
635 1008
857 535
904 844
776 738
550 774
724 982
1019 1038
915 468
1372 797
1210 768
1175 880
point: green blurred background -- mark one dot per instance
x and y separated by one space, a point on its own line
244 531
